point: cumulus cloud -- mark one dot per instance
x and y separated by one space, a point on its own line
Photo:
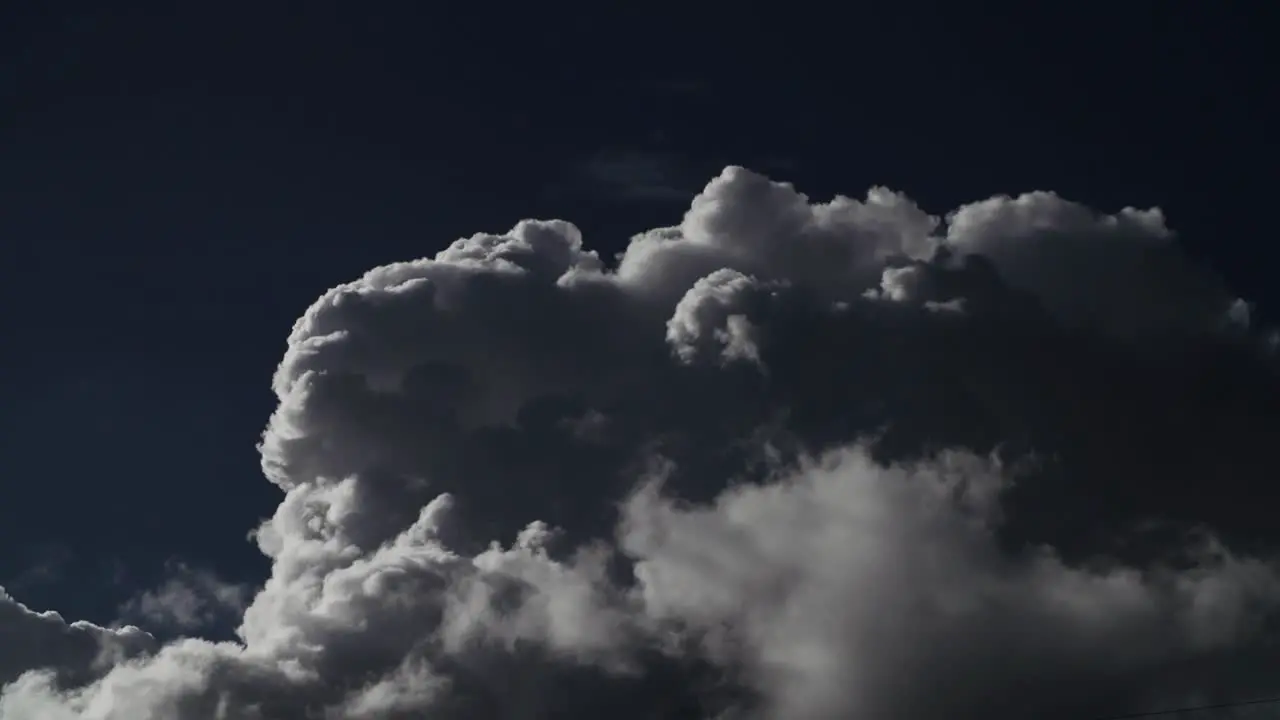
788 459
854 590
70 653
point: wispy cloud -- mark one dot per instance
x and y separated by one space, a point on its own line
189 599
635 175
46 564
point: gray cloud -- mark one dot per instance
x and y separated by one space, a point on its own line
47 564
71 653
851 590
789 459
636 175
188 599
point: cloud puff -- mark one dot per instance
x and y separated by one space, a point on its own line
852 590
71 652
788 459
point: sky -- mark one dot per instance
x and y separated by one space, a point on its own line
504 363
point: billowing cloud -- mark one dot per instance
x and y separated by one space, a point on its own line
789 459
70 652
850 590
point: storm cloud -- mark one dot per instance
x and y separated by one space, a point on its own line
787 460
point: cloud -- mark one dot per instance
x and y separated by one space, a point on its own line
188 599
71 653
643 176
852 590
789 459
47 565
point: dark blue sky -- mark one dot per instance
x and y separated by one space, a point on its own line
177 186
